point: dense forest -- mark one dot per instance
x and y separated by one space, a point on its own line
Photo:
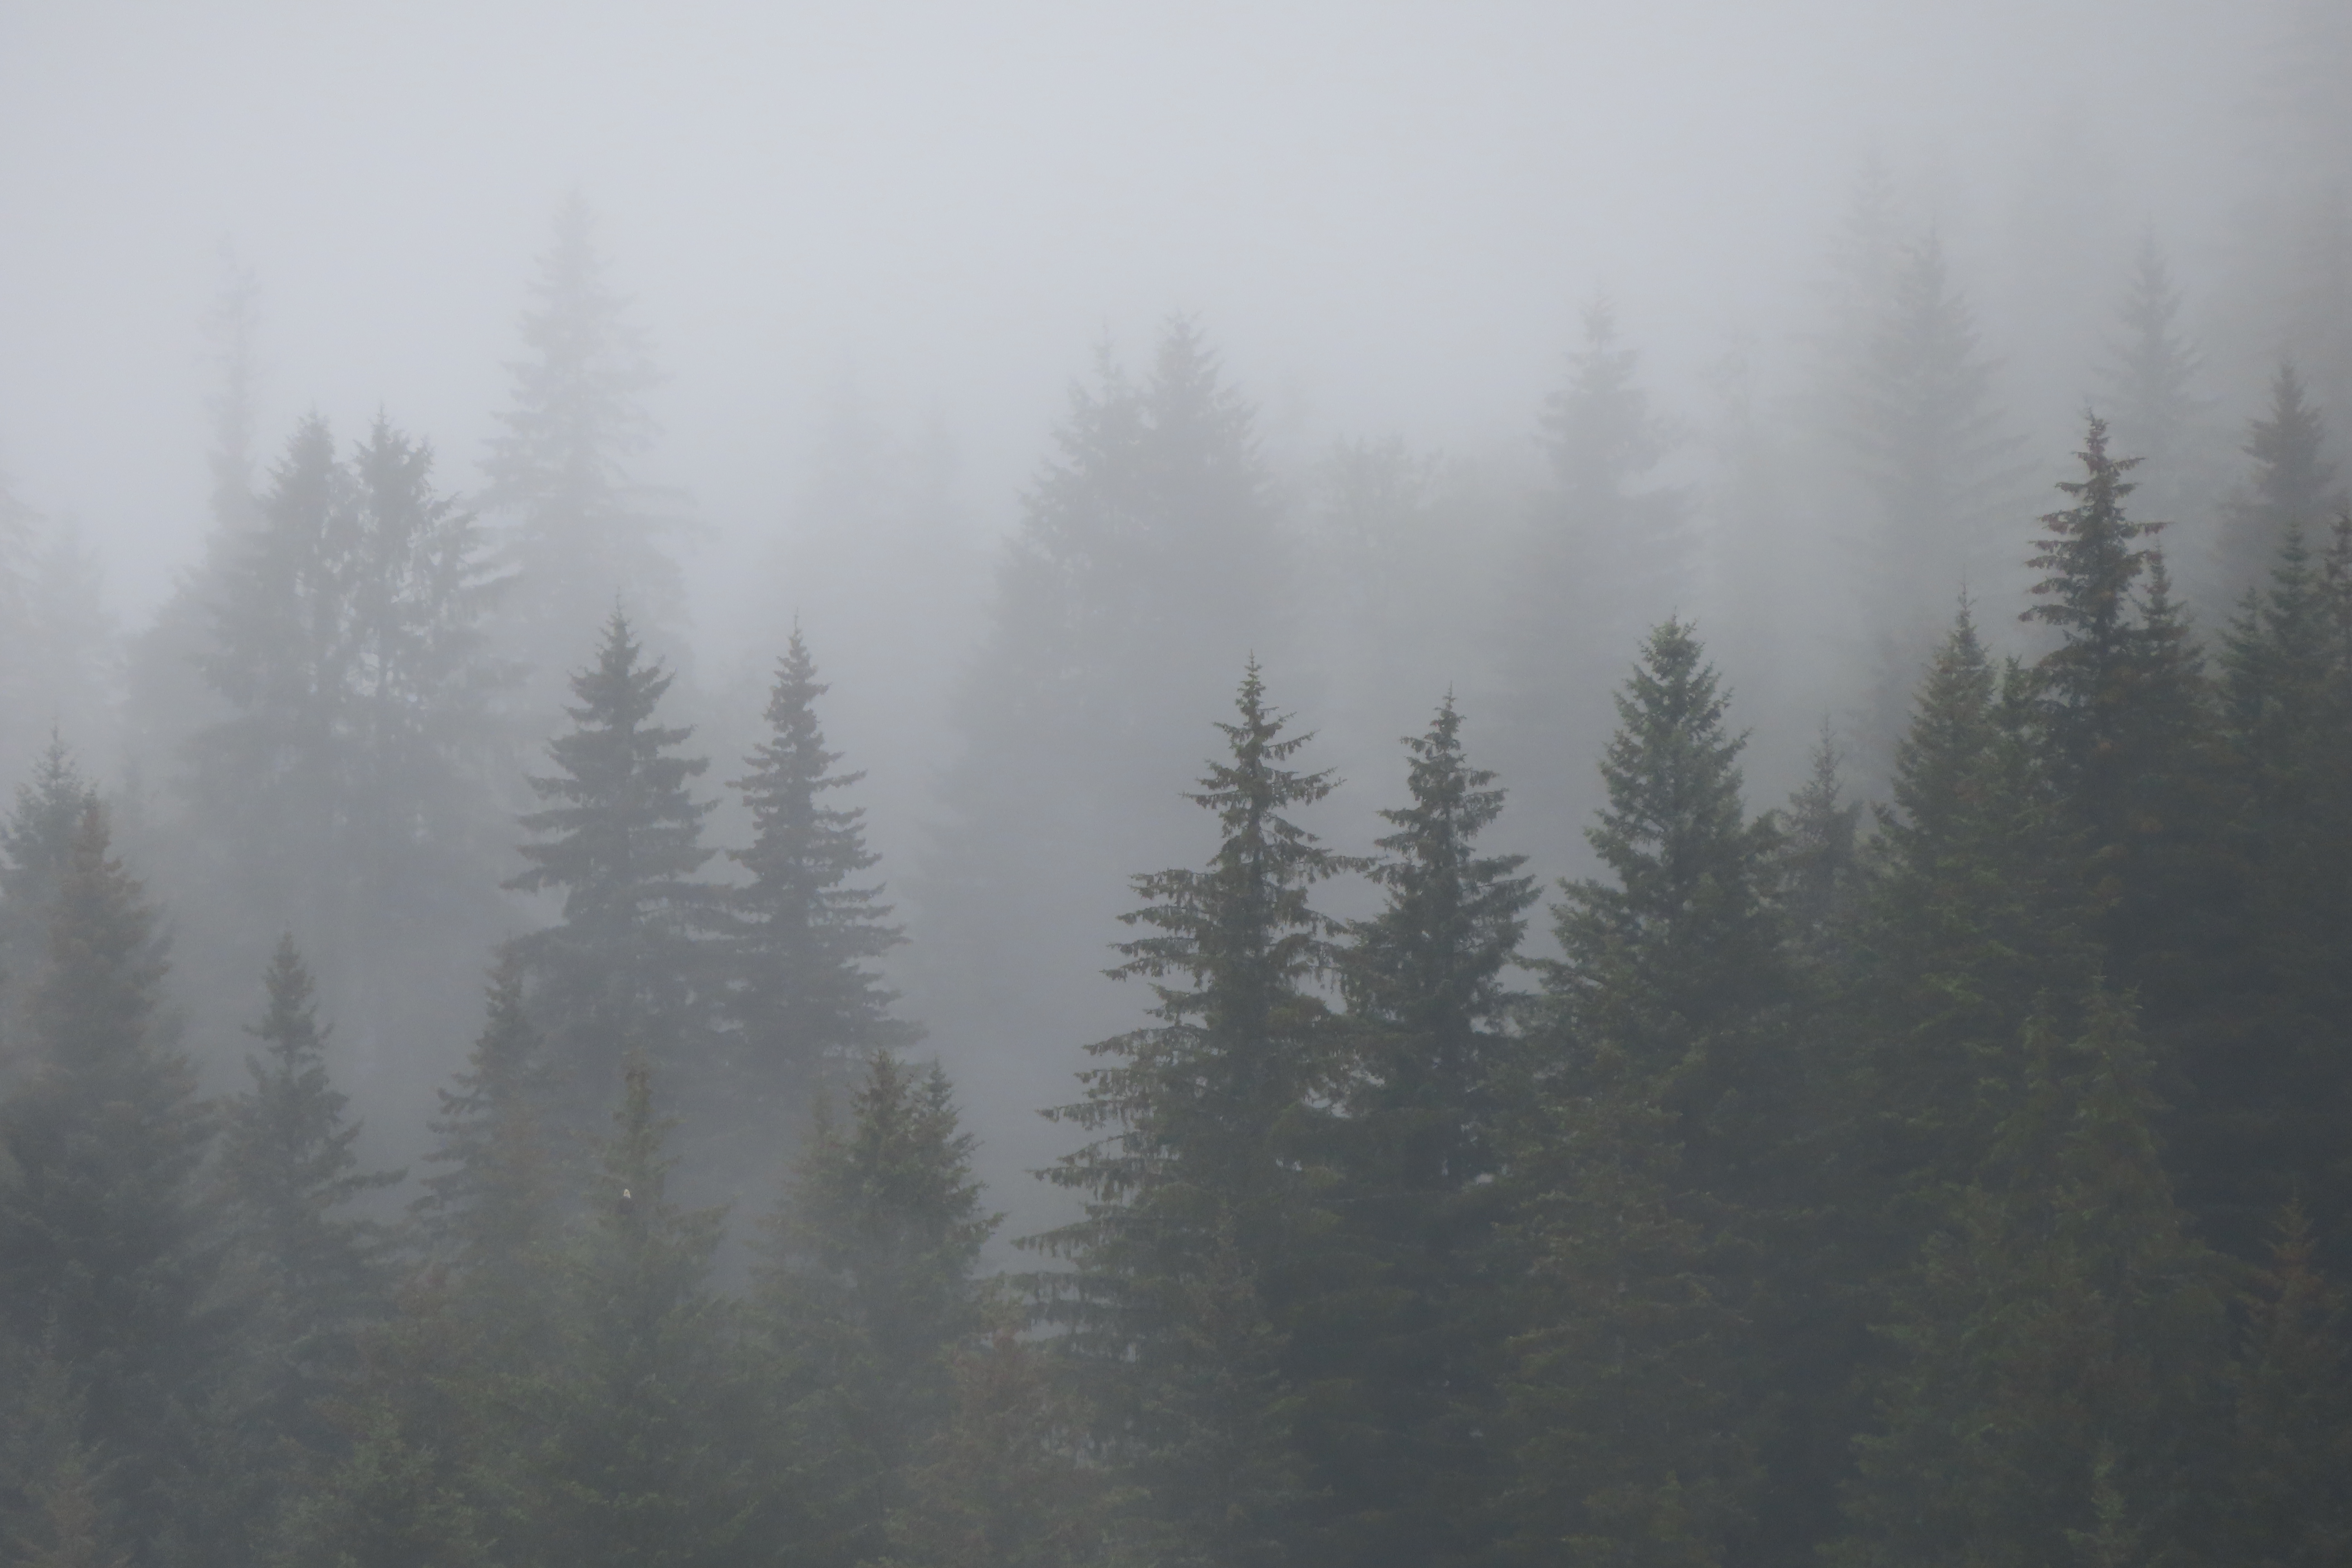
470 1094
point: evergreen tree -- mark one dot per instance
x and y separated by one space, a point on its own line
1609 553
2057 1353
1148 564
313 1274
1002 1482
634 1473
581 524
2294 488
1925 441
2292 1443
871 1288
2151 376
803 999
101 1244
36 847
1651 1152
1976 915
2276 1082
54 1511
1194 1240
624 971
1820 862
1675 962
1401 1354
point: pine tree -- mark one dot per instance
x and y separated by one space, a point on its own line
582 527
634 1471
289 1170
1676 962
870 1286
1819 861
54 1510
1609 553
1976 915
625 971
1926 444
2293 489
804 1002
101 1244
2059 1349
2292 1384
1651 1155
1401 1354
489 1212
1194 1237
1148 561
1002 1482
36 847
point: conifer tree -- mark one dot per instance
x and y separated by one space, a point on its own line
1976 914
1651 1152
1002 1483
2294 487
1402 1354
35 846
1609 553
288 1169
2058 1352
55 1508
488 1213
625 970
102 1245
1194 1240
1819 861
870 1286
2292 1386
1676 961
803 999
580 525
634 1473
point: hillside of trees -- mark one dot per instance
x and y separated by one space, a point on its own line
1575 1157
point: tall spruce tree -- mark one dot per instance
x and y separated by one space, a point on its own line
634 1473
626 970
2293 485
1652 1152
1401 1356
1147 564
804 1002
306 1275
1609 551
36 847
2291 1441
102 1243
580 525
870 1286
2059 1350
1196 1235
289 1171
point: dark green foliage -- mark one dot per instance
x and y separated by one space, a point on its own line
1976 915
1196 1234
626 970
308 1274
870 1290
102 1245
2292 1445
1675 962
633 1474
803 999
1651 1155
2058 1352
1399 1356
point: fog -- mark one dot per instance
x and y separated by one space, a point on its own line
1463 343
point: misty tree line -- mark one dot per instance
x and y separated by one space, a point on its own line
1961 1179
